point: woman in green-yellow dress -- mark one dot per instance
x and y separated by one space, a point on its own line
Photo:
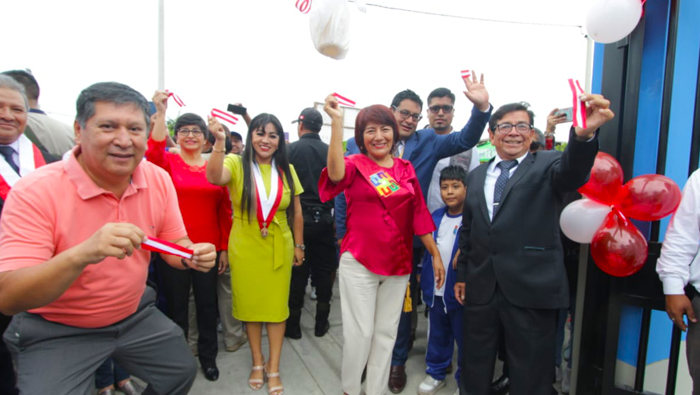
262 247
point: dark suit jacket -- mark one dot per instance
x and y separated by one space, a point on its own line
48 158
521 250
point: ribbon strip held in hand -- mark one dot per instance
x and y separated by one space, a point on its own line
176 98
344 101
579 106
304 6
166 247
224 116
466 74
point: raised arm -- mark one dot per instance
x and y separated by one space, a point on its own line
156 147
336 163
217 174
455 143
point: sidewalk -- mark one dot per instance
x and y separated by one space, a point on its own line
311 365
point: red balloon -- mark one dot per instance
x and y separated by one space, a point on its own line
618 248
605 182
650 197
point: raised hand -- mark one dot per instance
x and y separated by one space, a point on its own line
116 240
216 129
476 91
554 119
203 257
160 99
332 107
597 113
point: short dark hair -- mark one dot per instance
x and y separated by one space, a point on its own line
441 92
312 127
377 113
192 119
454 172
407 95
31 87
110 92
507 109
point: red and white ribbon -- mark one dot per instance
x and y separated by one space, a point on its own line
304 6
344 101
466 73
224 116
579 106
166 247
176 98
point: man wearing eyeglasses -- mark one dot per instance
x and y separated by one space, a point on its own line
423 148
510 249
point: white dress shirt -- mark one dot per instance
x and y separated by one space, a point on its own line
679 262
492 174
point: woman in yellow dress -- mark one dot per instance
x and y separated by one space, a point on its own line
262 247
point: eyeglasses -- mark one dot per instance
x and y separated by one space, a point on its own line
194 132
445 108
521 128
405 114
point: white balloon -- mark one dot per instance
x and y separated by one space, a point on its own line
581 219
609 21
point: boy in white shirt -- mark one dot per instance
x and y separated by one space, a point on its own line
445 312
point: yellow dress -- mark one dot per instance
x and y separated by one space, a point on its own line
261 268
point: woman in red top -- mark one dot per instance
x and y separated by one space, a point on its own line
385 209
206 212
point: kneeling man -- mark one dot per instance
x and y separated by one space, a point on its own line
71 267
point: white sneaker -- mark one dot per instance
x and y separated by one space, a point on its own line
313 293
457 392
429 386
566 381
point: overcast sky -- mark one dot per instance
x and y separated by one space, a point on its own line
260 52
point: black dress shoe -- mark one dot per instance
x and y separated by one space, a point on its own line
500 386
397 379
321 328
211 373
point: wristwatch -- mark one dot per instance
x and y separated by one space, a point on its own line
301 246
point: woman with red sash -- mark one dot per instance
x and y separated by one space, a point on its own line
385 209
262 248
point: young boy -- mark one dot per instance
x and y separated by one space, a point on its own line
445 312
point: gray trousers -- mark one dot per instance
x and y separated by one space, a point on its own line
692 348
60 359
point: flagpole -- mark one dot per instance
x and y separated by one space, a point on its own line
161 45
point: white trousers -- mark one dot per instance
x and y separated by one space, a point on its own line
371 308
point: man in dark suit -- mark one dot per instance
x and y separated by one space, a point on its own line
511 256
18 157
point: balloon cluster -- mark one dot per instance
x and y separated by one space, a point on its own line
609 21
617 246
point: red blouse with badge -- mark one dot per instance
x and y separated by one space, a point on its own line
385 209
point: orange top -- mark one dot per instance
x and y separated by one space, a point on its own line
58 207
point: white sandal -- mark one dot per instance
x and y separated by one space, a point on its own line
257 384
278 390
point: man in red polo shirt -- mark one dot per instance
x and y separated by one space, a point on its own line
71 267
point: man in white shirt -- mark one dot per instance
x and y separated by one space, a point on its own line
441 111
679 266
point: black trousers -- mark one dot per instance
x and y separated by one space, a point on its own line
175 288
7 371
321 259
528 335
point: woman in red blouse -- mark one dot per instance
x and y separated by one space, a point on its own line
206 212
385 209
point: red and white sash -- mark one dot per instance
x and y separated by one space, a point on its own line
165 247
267 204
30 158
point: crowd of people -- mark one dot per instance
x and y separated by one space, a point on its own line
397 215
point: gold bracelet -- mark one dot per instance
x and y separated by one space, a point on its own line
217 150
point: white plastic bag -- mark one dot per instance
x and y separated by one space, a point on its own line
329 23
